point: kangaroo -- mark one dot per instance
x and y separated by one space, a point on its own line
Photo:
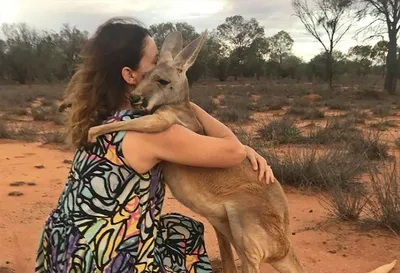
251 216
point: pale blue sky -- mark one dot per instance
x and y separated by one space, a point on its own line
274 15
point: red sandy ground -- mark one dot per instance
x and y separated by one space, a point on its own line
323 245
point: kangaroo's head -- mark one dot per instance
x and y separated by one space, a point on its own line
166 83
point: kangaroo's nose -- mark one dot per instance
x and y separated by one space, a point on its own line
135 99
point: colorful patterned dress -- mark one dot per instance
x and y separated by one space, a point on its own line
108 219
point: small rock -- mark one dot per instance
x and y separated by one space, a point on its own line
17 183
313 97
31 184
332 251
7 262
15 193
67 161
39 167
344 255
311 211
324 242
293 233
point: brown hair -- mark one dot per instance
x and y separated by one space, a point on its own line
97 89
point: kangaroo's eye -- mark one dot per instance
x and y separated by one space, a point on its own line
163 82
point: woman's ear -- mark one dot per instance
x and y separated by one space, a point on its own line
129 75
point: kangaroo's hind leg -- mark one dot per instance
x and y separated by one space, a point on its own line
258 233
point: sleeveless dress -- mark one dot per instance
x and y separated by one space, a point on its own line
108 219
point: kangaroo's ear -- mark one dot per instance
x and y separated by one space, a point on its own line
171 47
185 59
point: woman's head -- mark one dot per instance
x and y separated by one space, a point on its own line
114 60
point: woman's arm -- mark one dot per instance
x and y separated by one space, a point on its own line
182 146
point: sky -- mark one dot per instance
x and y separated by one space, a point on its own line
274 15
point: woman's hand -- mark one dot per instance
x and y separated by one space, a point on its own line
259 163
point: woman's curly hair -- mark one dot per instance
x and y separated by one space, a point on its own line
97 89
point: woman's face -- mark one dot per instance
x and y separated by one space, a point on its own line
148 61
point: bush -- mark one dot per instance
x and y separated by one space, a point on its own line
205 102
370 94
58 119
382 111
20 111
336 130
337 104
384 205
296 111
233 115
237 109
281 131
358 115
44 113
317 169
370 146
39 114
4 132
270 103
302 103
26 133
47 102
384 125
20 96
346 204
314 113
54 137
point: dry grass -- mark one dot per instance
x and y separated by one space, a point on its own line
317 169
12 96
384 205
4 131
370 146
42 113
53 137
336 130
345 204
281 131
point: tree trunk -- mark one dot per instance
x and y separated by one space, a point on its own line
391 65
329 68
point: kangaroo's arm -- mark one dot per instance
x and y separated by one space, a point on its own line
161 120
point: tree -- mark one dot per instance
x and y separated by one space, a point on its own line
28 55
361 59
214 53
379 52
71 42
238 35
317 64
160 31
280 46
293 66
19 54
387 14
2 64
327 21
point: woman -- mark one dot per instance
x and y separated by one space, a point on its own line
108 218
